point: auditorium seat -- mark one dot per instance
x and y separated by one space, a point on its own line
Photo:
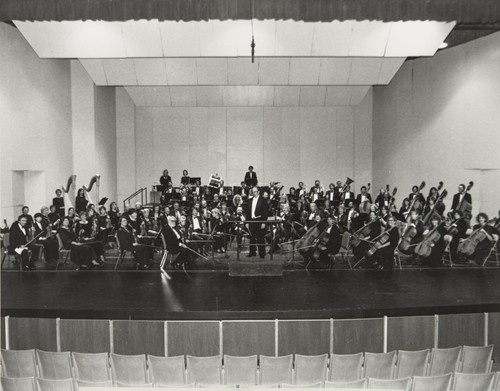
276 370
18 363
390 384
240 370
476 359
310 369
56 385
496 386
312 385
380 365
159 385
54 365
18 384
412 363
204 370
473 381
361 383
82 383
91 367
432 383
444 361
133 385
129 369
167 371
346 367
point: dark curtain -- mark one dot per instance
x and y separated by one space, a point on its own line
463 11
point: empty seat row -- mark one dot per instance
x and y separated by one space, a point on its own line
448 382
248 370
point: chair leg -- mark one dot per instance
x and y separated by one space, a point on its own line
121 255
3 258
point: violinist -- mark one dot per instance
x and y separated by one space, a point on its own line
456 232
72 217
437 247
215 226
114 214
360 240
85 232
127 240
483 236
197 230
412 234
383 257
45 239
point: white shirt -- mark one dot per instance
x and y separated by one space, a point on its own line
363 198
331 195
176 233
22 229
254 205
196 223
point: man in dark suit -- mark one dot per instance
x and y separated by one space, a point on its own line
459 198
174 244
18 238
257 210
251 177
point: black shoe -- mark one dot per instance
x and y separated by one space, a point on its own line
82 267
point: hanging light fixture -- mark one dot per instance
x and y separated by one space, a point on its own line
252 45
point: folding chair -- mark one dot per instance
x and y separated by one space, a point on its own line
361 383
166 255
412 363
62 251
18 363
380 365
240 370
121 253
310 369
473 381
432 383
54 365
390 384
167 371
493 251
204 370
476 359
346 367
91 367
444 361
276 370
18 384
129 369
56 385
397 256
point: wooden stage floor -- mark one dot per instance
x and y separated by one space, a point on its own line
213 294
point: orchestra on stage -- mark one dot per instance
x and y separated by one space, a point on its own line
192 220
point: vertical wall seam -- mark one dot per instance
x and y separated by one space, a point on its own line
436 331
7 332
58 334
486 331
221 346
331 336
111 341
276 338
165 338
385 334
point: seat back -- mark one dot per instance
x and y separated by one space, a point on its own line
312 385
18 384
167 370
361 383
390 384
432 383
276 370
91 367
6 241
133 385
56 385
412 363
54 365
473 381
240 370
204 370
82 383
476 359
346 367
130 369
18 363
346 238
444 361
380 365
496 386
310 369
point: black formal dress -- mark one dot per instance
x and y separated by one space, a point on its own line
81 254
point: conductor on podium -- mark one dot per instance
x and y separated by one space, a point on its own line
257 210
251 177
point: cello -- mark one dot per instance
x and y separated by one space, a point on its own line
379 241
424 248
310 238
468 246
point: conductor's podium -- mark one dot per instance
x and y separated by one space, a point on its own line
255 267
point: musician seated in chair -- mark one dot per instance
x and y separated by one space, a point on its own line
412 233
174 244
484 246
435 259
334 240
18 239
383 257
128 242
456 232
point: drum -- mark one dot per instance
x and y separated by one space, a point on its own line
215 182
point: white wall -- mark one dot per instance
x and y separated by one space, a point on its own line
439 119
35 130
286 144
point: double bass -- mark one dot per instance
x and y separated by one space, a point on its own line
364 207
416 203
427 218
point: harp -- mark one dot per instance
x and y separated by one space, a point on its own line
70 186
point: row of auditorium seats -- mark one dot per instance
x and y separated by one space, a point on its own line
450 382
250 370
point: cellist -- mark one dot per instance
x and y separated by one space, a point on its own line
362 238
483 248
383 258
412 234
456 232
435 259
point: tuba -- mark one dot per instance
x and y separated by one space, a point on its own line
348 181
94 180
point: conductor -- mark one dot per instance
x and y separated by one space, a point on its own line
257 210
251 177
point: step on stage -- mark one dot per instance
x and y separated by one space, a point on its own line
204 295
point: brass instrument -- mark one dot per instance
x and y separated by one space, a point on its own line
348 182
